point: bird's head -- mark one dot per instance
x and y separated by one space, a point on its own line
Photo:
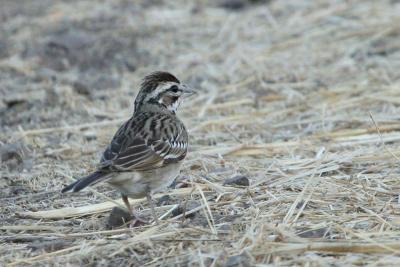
164 89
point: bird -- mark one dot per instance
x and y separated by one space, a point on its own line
146 153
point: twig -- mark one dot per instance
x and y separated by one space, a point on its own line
91 209
380 136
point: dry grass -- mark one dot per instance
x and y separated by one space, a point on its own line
302 97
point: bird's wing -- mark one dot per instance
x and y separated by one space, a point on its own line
146 142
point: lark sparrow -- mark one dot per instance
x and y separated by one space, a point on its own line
147 151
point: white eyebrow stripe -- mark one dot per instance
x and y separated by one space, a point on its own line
160 88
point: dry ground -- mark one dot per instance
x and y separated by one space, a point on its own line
292 94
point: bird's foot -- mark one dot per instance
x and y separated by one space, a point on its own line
137 221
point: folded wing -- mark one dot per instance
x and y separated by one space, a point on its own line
146 142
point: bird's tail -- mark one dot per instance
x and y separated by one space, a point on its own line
85 181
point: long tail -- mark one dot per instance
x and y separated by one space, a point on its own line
85 181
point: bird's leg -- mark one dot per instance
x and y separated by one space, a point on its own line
136 219
153 211
127 204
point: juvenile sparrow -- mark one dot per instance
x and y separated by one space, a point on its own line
147 151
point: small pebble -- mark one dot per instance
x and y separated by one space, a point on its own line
164 200
13 156
233 4
241 260
186 207
240 180
118 217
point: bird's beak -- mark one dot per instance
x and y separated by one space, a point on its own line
187 90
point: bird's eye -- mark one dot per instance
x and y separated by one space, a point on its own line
174 89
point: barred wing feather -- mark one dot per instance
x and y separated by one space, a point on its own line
145 143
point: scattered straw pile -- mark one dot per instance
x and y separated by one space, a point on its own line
301 97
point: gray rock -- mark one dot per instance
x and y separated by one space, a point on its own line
185 207
14 156
242 260
240 180
118 217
